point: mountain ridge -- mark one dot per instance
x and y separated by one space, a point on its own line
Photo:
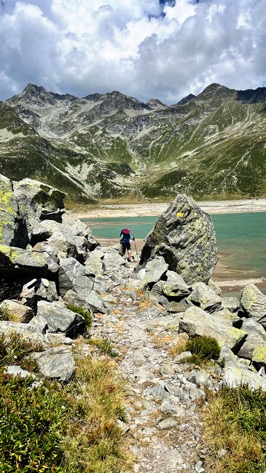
104 146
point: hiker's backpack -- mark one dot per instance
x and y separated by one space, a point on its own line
125 235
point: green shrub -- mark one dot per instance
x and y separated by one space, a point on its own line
84 312
31 424
62 428
206 348
14 349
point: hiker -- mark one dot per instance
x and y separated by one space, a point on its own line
125 238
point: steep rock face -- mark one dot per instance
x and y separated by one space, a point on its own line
184 235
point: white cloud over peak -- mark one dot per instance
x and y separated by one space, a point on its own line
143 48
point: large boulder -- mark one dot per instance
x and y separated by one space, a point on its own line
256 337
253 304
16 311
18 261
197 322
56 362
60 319
153 271
12 228
239 376
39 200
184 236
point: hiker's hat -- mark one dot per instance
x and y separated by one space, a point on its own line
126 231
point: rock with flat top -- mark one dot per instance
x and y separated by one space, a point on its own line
197 322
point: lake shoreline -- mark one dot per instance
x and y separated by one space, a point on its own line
156 209
228 278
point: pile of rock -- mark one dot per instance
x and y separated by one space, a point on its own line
48 260
175 268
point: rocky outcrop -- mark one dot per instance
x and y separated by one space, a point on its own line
197 322
41 254
184 236
145 315
59 265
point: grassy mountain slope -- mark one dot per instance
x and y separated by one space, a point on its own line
111 145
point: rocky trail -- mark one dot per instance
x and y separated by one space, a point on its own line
162 396
51 265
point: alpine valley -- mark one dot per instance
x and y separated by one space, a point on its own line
111 146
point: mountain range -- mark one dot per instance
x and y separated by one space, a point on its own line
111 146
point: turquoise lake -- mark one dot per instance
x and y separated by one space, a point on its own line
241 237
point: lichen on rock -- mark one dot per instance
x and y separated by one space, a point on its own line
184 235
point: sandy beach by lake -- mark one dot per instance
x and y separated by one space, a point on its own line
156 209
229 279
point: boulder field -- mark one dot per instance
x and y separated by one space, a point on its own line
50 261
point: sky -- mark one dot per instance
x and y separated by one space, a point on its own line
164 49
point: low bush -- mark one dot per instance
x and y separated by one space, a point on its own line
203 349
61 428
31 424
206 347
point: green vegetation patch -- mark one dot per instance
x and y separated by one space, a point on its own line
203 349
58 427
235 423
81 311
31 423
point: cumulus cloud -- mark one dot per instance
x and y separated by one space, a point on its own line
162 49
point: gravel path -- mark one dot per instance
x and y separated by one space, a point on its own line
163 424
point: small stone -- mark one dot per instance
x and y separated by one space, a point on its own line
167 424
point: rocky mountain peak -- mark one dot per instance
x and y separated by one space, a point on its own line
186 99
99 145
39 97
116 101
156 104
214 89
252 96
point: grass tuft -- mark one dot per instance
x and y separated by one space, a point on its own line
235 423
203 349
84 312
4 314
94 441
104 345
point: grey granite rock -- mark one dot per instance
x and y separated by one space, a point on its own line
184 235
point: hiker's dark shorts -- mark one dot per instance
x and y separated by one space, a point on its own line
125 246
